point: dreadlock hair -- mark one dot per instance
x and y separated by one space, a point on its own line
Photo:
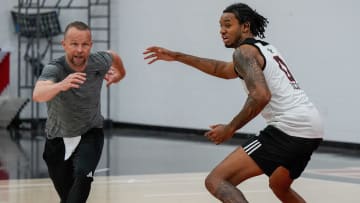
244 14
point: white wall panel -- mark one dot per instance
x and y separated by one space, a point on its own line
318 38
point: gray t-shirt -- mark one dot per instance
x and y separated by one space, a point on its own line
73 112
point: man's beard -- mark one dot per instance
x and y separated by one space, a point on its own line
233 45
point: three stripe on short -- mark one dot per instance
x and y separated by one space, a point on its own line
250 148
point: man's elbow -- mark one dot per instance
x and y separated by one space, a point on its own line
229 76
262 99
123 73
265 98
36 98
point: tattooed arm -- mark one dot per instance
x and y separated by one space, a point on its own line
248 62
216 68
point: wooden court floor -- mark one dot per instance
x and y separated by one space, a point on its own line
143 166
174 188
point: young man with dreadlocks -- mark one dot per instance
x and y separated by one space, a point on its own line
294 127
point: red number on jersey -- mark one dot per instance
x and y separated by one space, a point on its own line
287 72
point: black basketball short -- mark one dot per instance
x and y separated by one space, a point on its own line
274 148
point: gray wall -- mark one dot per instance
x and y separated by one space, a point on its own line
318 38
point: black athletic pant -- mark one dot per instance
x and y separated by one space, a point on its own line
72 178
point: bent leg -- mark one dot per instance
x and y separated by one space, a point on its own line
85 159
60 171
61 176
280 183
223 179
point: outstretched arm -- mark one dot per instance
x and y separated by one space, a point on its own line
45 90
117 71
212 67
248 62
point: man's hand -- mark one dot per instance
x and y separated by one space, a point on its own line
219 133
73 80
112 76
158 53
116 71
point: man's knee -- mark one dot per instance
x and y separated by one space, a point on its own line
83 171
83 177
82 184
279 187
83 180
211 183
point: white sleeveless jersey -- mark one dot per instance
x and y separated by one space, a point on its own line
289 108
